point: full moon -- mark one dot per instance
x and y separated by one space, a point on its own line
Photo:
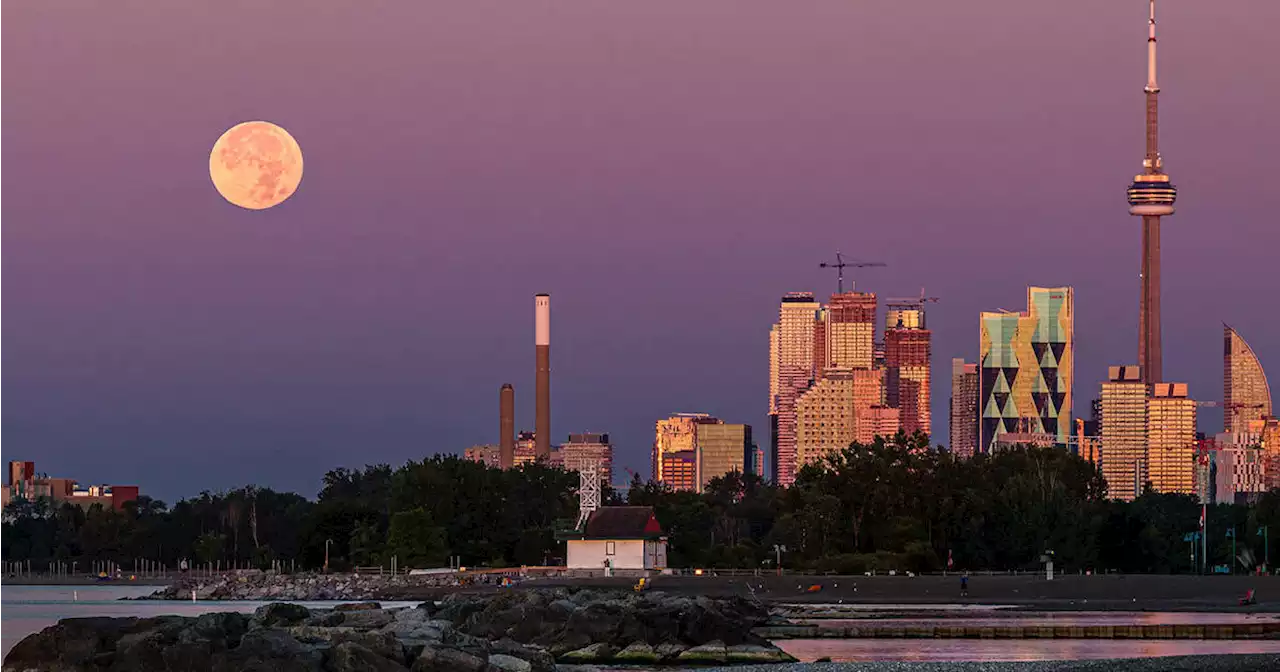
256 165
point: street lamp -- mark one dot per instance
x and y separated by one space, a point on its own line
1266 549
326 554
779 549
1231 534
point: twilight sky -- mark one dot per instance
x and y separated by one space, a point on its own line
666 170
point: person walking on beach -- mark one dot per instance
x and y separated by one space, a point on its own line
964 585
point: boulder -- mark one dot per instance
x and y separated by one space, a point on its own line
637 652
669 650
501 662
539 659
593 653
279 613
382 643
366 620
351 657
447 660
358 606
267 649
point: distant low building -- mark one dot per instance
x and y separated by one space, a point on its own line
488 455
626 538
24 483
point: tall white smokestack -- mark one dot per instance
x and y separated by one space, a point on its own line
542 391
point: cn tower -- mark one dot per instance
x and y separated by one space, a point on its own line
1151 197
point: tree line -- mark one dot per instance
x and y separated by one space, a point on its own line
893 504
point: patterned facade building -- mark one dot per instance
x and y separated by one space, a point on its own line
1026 368
677 434
488 455
1171 438
964 408
1124 432
825 417
877 421
1246 396
907 360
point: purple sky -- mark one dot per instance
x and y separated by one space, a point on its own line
666 170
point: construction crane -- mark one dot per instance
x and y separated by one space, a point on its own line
841 264
913 302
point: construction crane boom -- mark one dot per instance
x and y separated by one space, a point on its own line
840 264
915 301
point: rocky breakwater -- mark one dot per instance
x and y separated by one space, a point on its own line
265 586
517 631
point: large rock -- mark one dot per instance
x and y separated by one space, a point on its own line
280 613
358 606
505 663
447 660
382 643
351 657
269 649
711 652
594 653
637 653
366 620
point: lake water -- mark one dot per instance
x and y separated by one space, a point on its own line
957 650
28 609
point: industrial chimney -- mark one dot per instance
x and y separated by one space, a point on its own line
542 343
507 426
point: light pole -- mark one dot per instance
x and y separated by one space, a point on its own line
1266 549
1231 534
778 550
326 554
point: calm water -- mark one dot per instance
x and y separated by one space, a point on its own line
1062 618
953 650
28 609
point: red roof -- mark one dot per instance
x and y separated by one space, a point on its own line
622 522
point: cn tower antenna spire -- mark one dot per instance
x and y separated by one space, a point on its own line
1151 196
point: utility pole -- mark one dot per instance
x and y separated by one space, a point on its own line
1231 534
1266 549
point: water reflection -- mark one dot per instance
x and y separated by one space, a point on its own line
959 650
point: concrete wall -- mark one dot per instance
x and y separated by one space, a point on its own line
591 554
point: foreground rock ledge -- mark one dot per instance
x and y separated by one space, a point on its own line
516 631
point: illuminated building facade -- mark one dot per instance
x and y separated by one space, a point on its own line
877 421
825 417
1026 368
964 408
907 360
850 330
722 448
1171 438
488 455
23 483
1246 396
1124 432
680 470
791 372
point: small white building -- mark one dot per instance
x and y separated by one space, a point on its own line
626 538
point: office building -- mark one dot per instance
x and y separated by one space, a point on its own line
488 455
678 434
1026 368
1171 438
25 484
1124 432
721 448
825 417
904 315
850 330
875 421
964 408
908 376
791 370
1240 474
1246 397
526 450
588 446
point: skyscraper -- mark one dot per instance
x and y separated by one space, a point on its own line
791 371
964 408
825 417
1171 438
1124 432
588 446
1151 196
1026 368
1246 397
850 330
677 434
722 448
907 360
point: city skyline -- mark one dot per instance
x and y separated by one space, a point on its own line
159 337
